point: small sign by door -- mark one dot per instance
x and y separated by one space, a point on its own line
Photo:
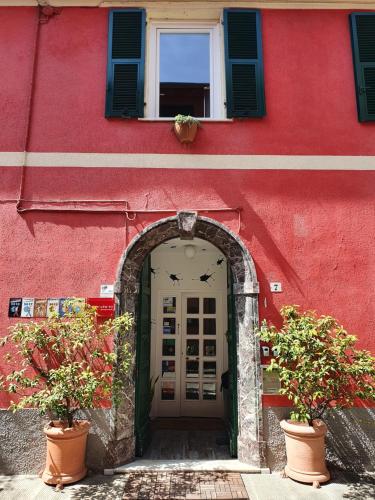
276 287
105 307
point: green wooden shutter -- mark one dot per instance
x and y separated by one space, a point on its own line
143 344
232 365
126 60
244 63
363 43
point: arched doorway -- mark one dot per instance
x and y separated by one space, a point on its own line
130 289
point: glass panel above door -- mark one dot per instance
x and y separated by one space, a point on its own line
192 326
169 326
209 326
209 369
209 348
192 369
184 74
167 391
209 391
168 369
169 347
209 305
192 305
169 305
192 390
192 347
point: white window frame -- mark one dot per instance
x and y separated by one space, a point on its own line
217 109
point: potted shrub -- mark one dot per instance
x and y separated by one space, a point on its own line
61 365
185 127
319 369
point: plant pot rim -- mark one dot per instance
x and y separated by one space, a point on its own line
319 428
55 429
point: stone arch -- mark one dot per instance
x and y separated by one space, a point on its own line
186 225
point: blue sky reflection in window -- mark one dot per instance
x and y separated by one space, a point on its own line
185 74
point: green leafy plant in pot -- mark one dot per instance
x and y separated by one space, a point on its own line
61 365
319 369
186 127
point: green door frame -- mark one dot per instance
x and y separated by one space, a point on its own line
232 366
143 344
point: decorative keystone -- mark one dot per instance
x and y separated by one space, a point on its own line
186 224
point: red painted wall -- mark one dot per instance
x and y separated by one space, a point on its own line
309 85
313 231
310 230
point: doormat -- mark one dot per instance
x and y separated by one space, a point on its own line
184 486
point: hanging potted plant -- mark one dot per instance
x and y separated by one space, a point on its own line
62 365
319 369
186 127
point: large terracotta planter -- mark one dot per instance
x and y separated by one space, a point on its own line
186 132
305 451
66 449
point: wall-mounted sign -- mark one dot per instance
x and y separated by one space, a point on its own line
41 308
271 382
105 306
27 310
106 291
15 306
275 286
52 307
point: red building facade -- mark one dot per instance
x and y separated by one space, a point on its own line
296 185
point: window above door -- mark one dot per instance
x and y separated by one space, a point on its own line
184 71
207 69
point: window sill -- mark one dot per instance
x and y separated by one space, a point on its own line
213 120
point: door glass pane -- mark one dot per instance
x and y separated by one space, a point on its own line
192 305
169 326
209 369
168 368
167 391
209 391
209 348
209 326
192 369
209 305
192 347
192 390
169 347
192 326
184 74
169 305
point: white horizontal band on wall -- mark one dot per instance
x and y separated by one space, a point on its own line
188 161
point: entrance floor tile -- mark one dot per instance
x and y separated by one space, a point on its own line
184 486
188 439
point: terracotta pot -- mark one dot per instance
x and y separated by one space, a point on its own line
66 449
305 451
186 132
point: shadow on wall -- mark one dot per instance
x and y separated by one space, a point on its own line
350 439
98 442
350 446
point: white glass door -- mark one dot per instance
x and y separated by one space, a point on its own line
202 355
189 361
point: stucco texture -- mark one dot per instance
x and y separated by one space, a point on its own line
23 444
